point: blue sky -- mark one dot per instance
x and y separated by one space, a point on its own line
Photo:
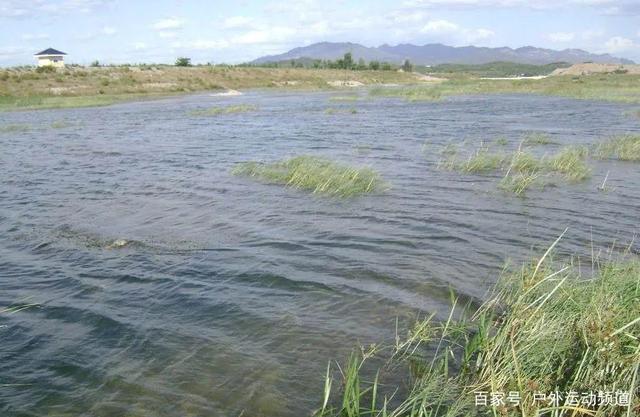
119 31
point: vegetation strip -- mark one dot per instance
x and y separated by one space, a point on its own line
549 338
522 168
623 148
608 87
215 111
314 174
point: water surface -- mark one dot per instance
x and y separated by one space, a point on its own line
233 294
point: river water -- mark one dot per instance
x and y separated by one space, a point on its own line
233 295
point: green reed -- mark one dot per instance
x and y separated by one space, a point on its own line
318 175
545 328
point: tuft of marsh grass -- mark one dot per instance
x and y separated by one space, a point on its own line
318 175
623 148
215 111
481 161
523 169
519 182
60 124
410 93
536 138
570 162
335 110
343 98
501 141
13 128
545 329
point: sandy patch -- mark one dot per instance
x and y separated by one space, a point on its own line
285 83
56 91
428 78
159 85
586 69
228 93
340 83
535 77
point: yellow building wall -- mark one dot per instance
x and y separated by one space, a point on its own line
54 61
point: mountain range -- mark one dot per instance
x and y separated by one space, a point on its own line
436 53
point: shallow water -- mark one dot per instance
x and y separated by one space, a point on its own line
232 295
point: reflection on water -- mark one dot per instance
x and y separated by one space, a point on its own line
230 295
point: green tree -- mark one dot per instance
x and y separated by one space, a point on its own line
374 65
183 62
347 61
386 66
407 66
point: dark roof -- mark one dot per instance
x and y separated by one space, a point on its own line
50 51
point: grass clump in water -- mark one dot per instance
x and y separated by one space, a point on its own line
546 329
481 161
13 128
318 175
623 148
343 98
216 111
523 169
519 182
60 124
570 162
334 110
533 139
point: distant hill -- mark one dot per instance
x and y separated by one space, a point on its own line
435 54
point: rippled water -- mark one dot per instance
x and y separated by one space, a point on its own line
235 294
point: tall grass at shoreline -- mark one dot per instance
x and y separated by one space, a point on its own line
546 328
318 175
608 87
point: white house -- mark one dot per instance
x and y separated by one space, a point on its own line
50 57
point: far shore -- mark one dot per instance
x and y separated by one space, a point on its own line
28 88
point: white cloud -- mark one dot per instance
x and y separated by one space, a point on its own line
619 44
440 27
8 52
562 37
171 23
238 22
167 35
139 46
29 8
202 44
475 35
108 30
629 7
589 35
273 34
35 37
445 30
407 16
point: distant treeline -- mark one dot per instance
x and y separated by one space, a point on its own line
496 69
346 62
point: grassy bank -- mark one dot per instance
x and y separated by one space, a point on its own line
546 329
317 175
610 87
26 88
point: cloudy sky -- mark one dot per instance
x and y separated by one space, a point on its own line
119 31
